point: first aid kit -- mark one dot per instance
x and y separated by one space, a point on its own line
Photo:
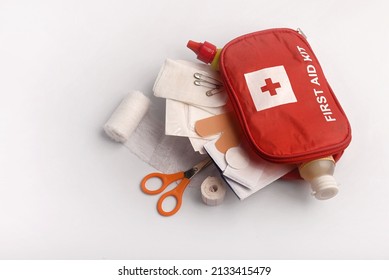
262 110
282 100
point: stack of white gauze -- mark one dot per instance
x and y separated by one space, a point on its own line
186 98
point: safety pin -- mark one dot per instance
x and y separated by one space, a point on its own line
214 91
206 81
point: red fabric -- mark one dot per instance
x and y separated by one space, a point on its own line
313 126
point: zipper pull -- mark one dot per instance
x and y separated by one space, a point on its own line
301 32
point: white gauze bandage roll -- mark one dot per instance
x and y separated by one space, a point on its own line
213 191
127 116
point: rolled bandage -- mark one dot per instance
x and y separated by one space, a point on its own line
127 116
212 191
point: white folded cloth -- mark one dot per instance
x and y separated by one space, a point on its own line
176 81
186 103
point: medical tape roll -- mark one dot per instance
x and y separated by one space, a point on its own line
213 191
127 116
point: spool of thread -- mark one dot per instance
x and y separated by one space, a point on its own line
213 191
127 116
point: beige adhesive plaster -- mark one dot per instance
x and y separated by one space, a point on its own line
223 124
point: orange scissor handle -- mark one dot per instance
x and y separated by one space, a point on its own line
166 180
177 193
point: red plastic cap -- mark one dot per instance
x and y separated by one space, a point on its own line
205 51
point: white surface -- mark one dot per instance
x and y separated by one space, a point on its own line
68 192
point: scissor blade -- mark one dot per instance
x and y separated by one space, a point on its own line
197 168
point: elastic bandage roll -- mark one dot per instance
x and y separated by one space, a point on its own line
127 116
213 191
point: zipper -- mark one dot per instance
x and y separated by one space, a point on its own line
300 31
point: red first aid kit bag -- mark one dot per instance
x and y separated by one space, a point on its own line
284 104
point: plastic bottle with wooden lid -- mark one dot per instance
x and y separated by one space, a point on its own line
319 173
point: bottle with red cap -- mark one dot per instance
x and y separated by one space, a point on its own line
206 52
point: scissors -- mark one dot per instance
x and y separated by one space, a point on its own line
166 180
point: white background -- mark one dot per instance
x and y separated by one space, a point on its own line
68 192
